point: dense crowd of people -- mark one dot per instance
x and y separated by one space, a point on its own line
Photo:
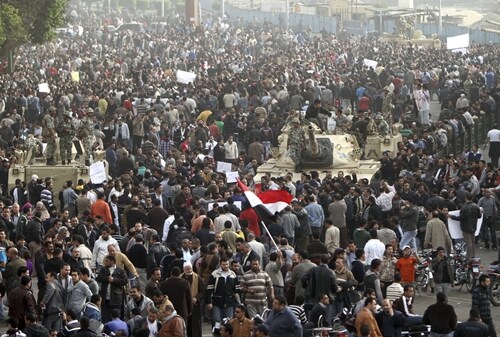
166 243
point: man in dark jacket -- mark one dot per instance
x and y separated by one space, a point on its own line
440 316
473 327
409 219
481 301
321 280
221 289
390 321
33 329
469 214
24 300
115 279
178 291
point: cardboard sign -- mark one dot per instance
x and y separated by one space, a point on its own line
232 177
44 87
185 77
97 173
223 167
454 226
370 63
222 203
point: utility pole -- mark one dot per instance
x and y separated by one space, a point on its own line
162 8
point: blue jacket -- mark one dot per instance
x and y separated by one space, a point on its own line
115 325
284 324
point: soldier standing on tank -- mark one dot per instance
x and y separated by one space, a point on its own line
49 136
387 104
296 142
85 134
66 138
382 126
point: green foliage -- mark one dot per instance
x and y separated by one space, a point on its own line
29 21
12 26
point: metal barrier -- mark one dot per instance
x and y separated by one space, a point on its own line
474 135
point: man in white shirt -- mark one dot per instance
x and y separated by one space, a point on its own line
166 227
101 247
231 149
374 248
332 236
494 141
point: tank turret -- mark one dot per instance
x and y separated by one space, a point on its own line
323 153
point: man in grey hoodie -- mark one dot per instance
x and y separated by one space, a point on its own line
78 293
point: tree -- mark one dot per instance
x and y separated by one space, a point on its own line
23 21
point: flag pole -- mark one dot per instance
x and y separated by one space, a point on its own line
270 236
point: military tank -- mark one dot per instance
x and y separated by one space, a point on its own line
324 153
31 160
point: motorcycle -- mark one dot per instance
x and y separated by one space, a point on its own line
462 275
493 272
423 271
475 269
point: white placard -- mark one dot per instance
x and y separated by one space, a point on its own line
185 77
457 42
44 87
222 203
331 124
454 226
97 173
370 63
223 167
232 177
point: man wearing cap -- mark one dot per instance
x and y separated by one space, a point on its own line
66 134
49 136
296 142
85 134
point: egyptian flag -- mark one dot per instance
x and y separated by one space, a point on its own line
266 204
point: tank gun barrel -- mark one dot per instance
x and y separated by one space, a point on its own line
313 143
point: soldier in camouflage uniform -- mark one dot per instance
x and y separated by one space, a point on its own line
85 134
49 135
296 142
341 122
387 104
382 126
67 132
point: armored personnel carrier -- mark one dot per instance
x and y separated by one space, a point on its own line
324 153
31 160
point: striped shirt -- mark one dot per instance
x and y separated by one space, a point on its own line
258 283
394 291
299 312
